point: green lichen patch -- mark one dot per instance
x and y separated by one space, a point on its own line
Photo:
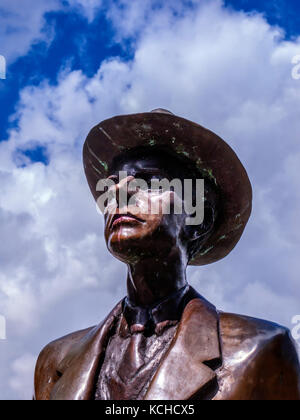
152 142
209 174
104 164
206 251
180 149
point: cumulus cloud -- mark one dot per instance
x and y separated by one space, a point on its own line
21 26
22 369
133 18
226 70
22 23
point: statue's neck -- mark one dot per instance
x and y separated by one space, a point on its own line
153 279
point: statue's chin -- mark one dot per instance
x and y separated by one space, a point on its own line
129 250
123 246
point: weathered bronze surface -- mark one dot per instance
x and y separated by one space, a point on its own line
190 142
164 341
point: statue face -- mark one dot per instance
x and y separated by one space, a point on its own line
131 235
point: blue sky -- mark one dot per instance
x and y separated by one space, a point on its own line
80 44
76 43
70 64
285 13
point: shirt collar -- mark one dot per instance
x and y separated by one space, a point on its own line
164 313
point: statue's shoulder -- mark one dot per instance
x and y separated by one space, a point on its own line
244 333
55 351
242 328
50 357
259 352
47 371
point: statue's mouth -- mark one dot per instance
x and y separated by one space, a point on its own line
118 219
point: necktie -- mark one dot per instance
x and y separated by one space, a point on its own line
132 360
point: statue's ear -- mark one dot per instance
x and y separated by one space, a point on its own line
202 231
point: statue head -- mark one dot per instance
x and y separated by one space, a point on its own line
136 151
159 214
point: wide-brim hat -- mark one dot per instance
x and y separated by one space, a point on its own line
213 157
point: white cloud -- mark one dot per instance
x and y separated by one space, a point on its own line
133 18
22 371
22 22
226 70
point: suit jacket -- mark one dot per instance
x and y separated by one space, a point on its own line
213 355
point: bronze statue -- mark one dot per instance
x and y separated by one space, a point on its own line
164 341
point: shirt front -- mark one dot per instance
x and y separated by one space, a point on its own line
137 345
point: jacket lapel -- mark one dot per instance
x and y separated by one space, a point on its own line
79 368
182 374
185 370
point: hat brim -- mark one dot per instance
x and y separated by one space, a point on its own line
212 156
